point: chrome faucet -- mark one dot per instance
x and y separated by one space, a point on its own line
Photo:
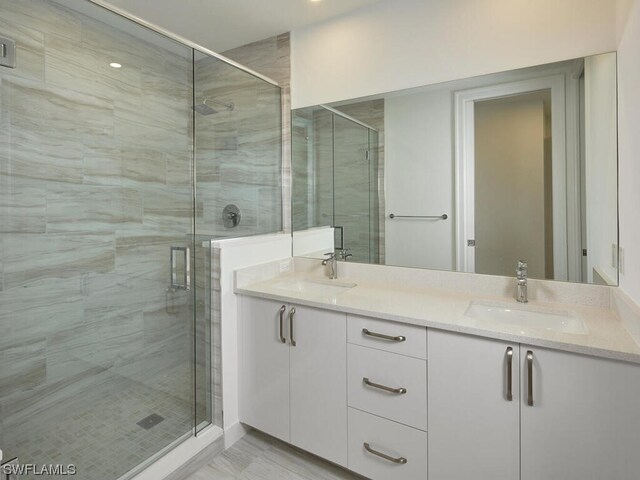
344 254
332 262
521 274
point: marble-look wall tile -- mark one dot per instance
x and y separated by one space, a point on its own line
22 206
91 209
24 365
29 258
41 308
272 58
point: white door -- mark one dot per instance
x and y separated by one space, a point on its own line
319 383
584 423
264 367
473 424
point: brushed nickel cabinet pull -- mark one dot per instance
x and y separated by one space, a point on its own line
530 378
292 312
282 310
399 391
391 338
399 460
509 374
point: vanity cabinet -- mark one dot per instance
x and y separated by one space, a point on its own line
566 416
293 375
584 421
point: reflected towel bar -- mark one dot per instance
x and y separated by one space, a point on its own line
444 216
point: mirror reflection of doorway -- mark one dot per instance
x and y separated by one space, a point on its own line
513 184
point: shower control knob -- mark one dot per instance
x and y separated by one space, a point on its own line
231 216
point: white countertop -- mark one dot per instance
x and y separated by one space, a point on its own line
445 310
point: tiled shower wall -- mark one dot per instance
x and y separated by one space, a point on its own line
238 151
95 184
272 57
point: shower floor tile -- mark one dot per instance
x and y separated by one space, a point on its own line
103 439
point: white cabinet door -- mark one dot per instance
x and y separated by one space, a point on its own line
584 423
264 368
473 426
319 383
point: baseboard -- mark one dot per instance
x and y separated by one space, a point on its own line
233 433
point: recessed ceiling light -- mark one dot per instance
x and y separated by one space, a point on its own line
115 65
315 1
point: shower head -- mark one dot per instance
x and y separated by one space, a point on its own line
205 109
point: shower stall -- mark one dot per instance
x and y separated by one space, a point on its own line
123 152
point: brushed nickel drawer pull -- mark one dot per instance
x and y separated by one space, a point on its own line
369 383
399 460
509 374
391 338
530 378
282 309
292 340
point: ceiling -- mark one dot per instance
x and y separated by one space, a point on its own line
221 25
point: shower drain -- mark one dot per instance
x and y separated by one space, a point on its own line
150 421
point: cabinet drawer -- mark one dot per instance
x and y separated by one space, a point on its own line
388 438
404 339
383 369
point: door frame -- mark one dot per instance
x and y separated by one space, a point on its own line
464 134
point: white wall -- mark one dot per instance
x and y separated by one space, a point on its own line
418 139
399 44
629 151
601 175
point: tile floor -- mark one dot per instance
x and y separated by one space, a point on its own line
260 457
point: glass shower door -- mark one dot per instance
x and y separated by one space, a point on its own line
96 240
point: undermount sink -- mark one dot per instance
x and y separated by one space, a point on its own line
313 285
526 317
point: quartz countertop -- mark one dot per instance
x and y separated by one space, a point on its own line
445 310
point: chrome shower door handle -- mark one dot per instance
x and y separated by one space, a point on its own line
530 378
174 281
292 340
282 310
509 374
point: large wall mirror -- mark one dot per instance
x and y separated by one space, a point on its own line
470 175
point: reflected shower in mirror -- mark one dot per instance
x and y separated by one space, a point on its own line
470 175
